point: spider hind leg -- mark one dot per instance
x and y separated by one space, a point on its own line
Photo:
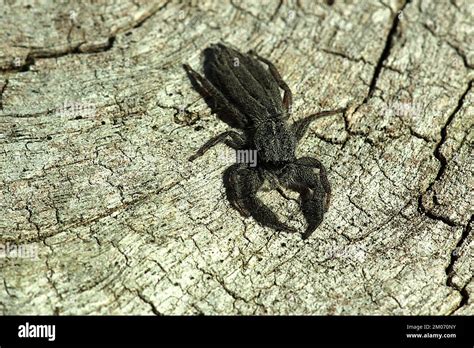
314 190
242 184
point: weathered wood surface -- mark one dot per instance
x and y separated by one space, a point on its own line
122 223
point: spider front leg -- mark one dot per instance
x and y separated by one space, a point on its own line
237 142
314 190
301 126
314 163
242 185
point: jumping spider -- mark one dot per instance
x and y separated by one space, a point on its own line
247 97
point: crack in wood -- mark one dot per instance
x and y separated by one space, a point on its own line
450 269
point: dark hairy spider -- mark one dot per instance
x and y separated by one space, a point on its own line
246 95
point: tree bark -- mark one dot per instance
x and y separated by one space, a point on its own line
98 118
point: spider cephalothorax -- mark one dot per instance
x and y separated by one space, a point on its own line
247 96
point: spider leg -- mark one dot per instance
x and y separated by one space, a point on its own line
242 184
287 96
314 190
314 163
237 141
205 87
301 126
